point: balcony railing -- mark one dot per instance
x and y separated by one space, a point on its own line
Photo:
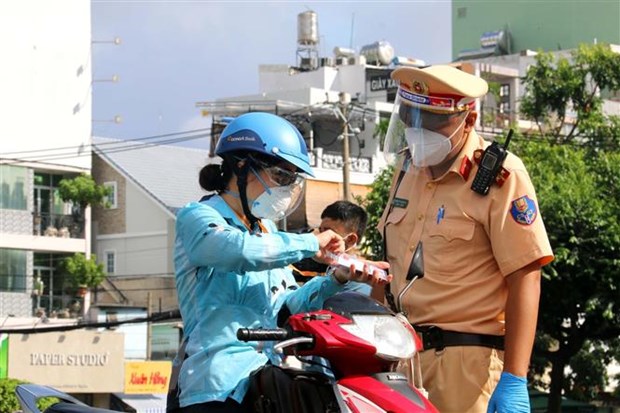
494 119
58 225
335 160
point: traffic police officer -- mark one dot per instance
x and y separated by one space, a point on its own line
477 305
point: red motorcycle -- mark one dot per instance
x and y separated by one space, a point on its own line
363 341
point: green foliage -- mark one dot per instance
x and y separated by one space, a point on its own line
380 131
9 402
83 271
578 192
588 367
557 86
83 191
374 202
579 197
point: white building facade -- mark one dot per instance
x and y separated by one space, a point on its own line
46 81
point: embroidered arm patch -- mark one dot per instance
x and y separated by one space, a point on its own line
523 210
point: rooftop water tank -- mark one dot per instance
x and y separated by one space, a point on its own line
378 53
343 52
307 28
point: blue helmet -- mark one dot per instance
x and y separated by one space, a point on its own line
267 134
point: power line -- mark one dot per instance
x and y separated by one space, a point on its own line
122 147
109 143
155 317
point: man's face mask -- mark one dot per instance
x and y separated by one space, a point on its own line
425 134
350 241
427 147
340 228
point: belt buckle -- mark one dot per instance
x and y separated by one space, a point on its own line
433 338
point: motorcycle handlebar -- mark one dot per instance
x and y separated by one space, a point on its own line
262 334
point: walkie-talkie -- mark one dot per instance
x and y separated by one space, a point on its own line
490 165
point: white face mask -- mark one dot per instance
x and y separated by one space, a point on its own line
427 148
274 204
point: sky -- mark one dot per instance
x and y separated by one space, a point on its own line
173 54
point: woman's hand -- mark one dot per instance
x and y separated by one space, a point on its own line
329 241
365 276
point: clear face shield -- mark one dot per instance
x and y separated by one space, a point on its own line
283 193
421 130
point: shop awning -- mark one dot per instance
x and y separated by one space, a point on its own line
143 403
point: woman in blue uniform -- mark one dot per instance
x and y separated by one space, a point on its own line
231 261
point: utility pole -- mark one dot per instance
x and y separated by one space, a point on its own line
345 99
149 333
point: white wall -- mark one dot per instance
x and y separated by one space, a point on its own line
277 78
45 77
137 254
142 213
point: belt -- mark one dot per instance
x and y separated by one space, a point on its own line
434 337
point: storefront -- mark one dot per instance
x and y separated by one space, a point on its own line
78 361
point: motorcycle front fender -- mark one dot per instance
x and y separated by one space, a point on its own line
383 392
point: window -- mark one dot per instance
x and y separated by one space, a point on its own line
110 261
13 184
46 267
111 200
13 270
504 93
504 90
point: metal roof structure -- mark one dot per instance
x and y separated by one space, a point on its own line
168 173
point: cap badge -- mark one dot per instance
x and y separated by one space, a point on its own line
419 87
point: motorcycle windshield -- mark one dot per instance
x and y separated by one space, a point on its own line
350 302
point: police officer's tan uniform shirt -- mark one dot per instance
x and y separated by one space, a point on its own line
471 242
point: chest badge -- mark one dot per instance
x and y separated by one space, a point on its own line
400 202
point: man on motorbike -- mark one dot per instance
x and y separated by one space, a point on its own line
231 262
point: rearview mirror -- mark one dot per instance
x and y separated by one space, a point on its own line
416 267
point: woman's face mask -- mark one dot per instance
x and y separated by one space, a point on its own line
275 203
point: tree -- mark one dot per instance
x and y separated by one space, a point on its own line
82 191
374 202
580 296
380 131
84 272
579 195
563 96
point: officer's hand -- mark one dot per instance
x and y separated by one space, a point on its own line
510 395
329 241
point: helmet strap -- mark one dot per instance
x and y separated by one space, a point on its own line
242 184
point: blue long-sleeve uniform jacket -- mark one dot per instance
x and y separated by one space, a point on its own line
226 279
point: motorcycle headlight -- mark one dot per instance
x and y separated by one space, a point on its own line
390 337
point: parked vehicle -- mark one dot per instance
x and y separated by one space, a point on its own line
28 394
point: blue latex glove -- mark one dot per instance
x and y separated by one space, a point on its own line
510 395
